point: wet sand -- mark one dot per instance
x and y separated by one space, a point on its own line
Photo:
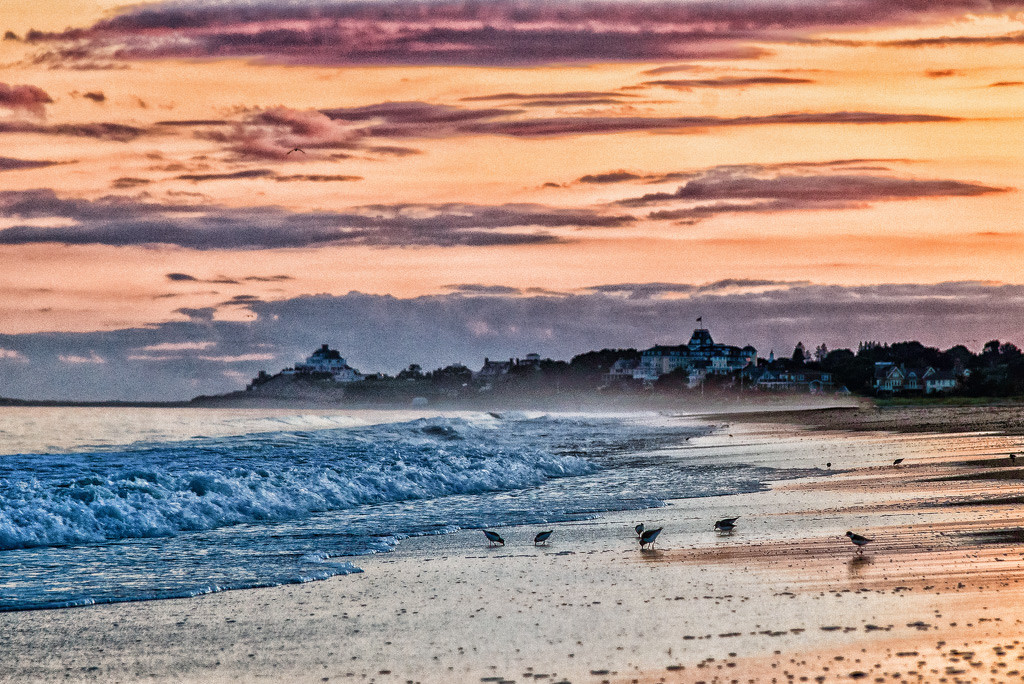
937 596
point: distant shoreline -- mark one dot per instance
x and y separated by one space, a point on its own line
56 403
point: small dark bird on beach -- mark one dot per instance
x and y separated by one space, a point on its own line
649 536
726 524
897 461
829 465
858 540
542 537
1013 457
493 538
639 529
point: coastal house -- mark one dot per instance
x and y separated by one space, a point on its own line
621 370
798 380
940 381
700 356
325 361
892 379
888 377
494 369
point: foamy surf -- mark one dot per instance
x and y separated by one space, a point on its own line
172 518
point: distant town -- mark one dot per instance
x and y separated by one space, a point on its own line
699 367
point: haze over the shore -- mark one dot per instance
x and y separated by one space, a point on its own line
193 192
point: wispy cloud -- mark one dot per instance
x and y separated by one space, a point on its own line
124 222
754 189
180 346
247 174
24 98
726 82
478 289
421 119
10 355
273 134
9 164
566 125
100 131
487 32
224 280
93 358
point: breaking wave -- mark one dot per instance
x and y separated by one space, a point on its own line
161 490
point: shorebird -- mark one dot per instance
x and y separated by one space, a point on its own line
649 536
639 529
897 461
493 538
295 149
542 537
726 524
1013 457
829 465
858 540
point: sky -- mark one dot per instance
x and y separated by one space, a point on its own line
194 191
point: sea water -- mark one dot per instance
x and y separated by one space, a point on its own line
104 505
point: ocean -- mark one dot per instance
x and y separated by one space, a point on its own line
102 505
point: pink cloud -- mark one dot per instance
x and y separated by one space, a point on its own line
274 133
28 98
485 32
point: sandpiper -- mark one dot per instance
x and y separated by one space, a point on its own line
639 529
493 538
542 537
726 524
858 540
649 536
897 461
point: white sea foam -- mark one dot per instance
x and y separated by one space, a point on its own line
205 484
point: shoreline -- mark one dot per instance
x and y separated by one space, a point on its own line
1006 418
786 594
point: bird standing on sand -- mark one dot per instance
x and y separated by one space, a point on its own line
649 536
897 461
726 524
493 538
1013 457
639 529
542 537
858 540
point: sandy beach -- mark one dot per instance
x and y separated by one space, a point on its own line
786 597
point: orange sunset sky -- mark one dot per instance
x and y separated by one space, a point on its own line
194 191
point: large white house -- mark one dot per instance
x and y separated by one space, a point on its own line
326 360
700 356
